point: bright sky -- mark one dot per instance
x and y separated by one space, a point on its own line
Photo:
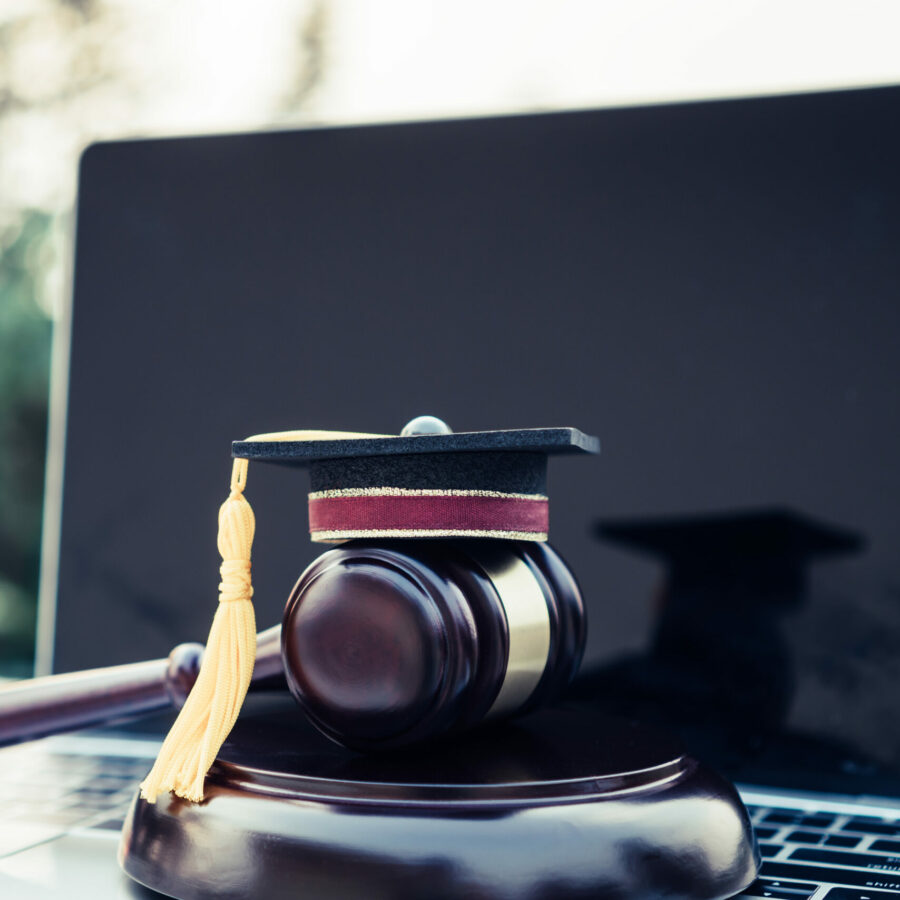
200 66
410 58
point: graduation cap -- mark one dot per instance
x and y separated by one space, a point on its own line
426 482
768 549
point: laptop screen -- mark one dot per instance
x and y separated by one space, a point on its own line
711 288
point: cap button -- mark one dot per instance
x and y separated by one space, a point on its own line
425 425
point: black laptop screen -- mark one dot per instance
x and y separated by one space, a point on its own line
711 288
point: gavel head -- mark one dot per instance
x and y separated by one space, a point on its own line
386 643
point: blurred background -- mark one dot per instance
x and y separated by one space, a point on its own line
74 71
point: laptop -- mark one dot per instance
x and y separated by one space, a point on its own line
710 287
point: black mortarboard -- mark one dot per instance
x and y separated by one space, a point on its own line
434 484
757 546
424 482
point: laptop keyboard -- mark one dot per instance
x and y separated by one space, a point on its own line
826 854
44 794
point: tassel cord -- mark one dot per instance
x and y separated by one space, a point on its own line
213 705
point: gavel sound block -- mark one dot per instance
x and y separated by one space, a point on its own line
561 803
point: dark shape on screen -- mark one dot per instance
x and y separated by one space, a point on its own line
717 657
758 556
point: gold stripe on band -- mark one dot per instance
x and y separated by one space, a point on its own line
416 492
528 621
335 537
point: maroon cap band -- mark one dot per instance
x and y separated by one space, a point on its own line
339 515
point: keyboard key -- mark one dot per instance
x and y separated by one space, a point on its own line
848 877
14 804
873 826
93 793
818 820
16 836
804 837
768 850
885 846
782 817
764 834
845 840
854 894
838 858
113 782
798 887
109 825
88 808
46 789
60 817
778 892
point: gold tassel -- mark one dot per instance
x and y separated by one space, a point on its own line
212 707
213 704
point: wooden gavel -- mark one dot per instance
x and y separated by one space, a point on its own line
382 644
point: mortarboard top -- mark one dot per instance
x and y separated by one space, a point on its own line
440 447
732 542
426 484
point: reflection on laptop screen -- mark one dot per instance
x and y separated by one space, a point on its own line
711 288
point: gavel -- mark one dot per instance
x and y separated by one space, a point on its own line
382 643
57 703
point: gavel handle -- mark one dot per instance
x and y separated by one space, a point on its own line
57 703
